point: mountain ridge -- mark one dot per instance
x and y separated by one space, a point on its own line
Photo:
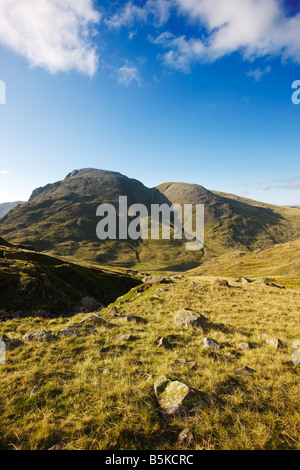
60 219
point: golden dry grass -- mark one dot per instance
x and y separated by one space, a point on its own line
87 400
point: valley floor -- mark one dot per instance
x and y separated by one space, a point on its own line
67 394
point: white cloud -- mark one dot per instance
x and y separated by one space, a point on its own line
158 10
183 52
53 34
292 185
258 73
264 187
4 172
128 76
255 28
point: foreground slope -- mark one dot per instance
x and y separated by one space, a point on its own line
30 282
95 391
60 219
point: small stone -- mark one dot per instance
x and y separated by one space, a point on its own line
76 329
244 280
11 344
245 371
35 389
93 320
245 346
151 280
185 438
164 343
190 364
211 344
105 349
59 446
40 336
275 342
221 282
175 397
188 318
123 337
134 319
90 304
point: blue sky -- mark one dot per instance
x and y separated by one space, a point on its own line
160 90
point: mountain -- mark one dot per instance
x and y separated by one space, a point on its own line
31 282
5 207
60 219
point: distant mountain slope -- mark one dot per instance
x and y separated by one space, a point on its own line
60 218
5 207
31 281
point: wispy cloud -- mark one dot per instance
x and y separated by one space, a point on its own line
264 187
286 183
258 73
289 183
4 172
292 185
182 52
53 34
128 76
154 11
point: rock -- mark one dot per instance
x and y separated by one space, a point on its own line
113 312
4 315
245 346
188 318
151 280
123 337
76 329
40 314
11 344
175 397
211 344
190 364
185 438
88 304
133 319
70 330
105 349
42 336
260 282
245 371
221 282
93 320
238 255
244 280
35 389
164 343
275 342
59 446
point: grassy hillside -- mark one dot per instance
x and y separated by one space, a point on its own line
281 261
31 281
60 219
67 394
